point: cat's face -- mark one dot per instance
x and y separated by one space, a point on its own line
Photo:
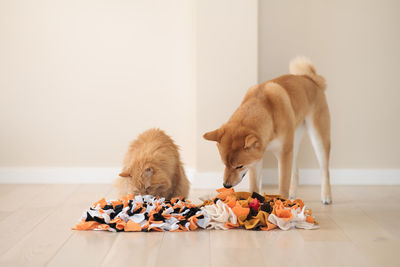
147 178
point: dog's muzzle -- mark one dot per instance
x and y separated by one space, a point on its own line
227 185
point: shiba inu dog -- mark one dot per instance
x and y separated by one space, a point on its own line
272 117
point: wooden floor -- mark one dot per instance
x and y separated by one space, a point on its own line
361 228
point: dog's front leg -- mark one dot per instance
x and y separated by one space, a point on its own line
285 159
256 177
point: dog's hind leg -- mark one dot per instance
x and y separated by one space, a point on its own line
298 135
318 126
256 177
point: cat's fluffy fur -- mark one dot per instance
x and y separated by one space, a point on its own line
152 166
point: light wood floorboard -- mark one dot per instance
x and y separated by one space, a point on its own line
361 228
40 244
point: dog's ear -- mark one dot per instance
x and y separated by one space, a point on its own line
214 135
250 141
125 174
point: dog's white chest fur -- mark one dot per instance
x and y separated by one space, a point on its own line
274 146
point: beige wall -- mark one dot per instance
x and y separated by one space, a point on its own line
80 79
355 45
226 66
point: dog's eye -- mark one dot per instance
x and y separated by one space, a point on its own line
148 170
239 167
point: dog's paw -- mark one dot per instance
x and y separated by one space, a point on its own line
326 200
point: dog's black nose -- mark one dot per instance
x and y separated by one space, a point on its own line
227 185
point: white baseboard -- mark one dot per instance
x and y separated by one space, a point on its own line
58 175
198 180
342 176
61 175
309 177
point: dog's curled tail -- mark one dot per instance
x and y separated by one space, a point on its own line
303 66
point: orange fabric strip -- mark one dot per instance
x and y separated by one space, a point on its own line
240 211
231 225
193 223
102 203
281 212
116 203
269 227
131 226
121 225
86 225
310 219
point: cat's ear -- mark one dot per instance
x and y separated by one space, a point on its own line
125 174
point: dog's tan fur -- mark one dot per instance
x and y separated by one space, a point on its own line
271 117
152 166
